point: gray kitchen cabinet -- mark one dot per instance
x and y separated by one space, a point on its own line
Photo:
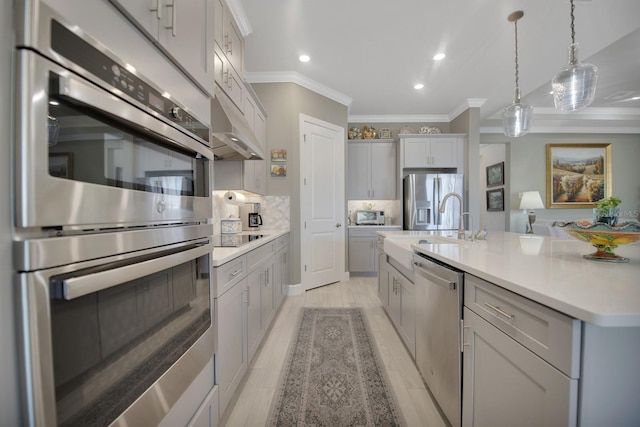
402 307
371 170
254 311
363 250
383 274
182 31
281 269
228 37
432 151
240 175
227 78
520 360
232 358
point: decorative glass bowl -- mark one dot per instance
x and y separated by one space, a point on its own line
604 237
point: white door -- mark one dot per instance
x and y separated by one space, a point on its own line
322 201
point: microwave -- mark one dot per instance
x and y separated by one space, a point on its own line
369 217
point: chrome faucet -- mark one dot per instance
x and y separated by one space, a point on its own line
461 221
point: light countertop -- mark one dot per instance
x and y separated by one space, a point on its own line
226 254
548 270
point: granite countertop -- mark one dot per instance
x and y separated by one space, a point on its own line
222 255
548 270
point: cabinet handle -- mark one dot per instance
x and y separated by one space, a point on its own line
173 18
157 10
235 273
246 292
497 310
229 46
373 193
462 343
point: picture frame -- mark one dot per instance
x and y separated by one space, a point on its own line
278 170
495 175
279 155
577 175
61 165
495 200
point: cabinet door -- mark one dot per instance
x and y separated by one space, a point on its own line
408 313
144 13
383 280
260 128
234 45
383 171
254 316
267 295
231 359
219 10
359 171
362 254
444 152
417 152
183 32
505 384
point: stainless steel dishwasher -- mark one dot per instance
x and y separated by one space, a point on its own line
439 292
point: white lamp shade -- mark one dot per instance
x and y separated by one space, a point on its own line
531 200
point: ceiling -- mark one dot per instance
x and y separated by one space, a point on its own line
368 54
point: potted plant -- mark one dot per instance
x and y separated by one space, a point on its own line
607 210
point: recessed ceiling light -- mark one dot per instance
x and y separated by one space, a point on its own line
418 86
635 98
304 58
439 57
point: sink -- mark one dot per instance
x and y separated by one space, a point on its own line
399 247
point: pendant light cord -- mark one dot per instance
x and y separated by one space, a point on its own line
517 65
573 30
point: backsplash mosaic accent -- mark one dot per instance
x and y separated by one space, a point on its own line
275 211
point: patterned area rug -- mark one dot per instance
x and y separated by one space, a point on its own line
333 375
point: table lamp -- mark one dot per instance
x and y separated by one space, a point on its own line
531 200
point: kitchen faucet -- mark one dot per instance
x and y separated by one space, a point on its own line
461 220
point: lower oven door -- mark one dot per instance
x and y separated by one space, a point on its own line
116 340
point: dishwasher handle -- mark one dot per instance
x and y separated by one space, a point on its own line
421 270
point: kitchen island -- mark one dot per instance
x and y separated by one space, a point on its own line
588 377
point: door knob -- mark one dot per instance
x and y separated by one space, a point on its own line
338 225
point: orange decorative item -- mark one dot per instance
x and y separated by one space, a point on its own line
604 237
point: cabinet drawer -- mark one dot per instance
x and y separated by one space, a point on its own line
553 336
256 256
228 274
363 232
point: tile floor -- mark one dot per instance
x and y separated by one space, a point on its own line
250 407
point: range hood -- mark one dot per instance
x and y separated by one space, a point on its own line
233 139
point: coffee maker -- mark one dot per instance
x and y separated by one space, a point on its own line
250 215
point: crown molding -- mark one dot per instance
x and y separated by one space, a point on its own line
398 119
300 80
240 16
464 106
567 129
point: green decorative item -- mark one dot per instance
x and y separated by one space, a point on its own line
607 211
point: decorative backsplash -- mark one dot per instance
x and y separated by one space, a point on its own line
275 211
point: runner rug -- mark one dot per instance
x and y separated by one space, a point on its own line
333 375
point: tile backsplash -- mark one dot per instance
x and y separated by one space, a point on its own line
275 211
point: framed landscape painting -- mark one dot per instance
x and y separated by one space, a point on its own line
495 174
578 175
495 200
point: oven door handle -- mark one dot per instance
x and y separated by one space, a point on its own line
75 287
78 92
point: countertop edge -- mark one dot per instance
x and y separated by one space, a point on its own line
223 255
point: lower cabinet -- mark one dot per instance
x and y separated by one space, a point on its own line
207 415
383 274
363 252
402 306
248 291
520 360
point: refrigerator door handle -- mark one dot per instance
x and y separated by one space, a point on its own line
437 184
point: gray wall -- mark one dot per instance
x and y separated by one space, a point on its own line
9 391
283 103
527 171
469 122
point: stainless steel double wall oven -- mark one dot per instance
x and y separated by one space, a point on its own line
112 208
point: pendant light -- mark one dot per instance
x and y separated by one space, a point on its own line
516 118
575 86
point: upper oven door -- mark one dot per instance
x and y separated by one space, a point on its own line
86 158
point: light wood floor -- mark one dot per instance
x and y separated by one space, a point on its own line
251 405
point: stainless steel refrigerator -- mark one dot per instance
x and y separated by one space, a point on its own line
423 194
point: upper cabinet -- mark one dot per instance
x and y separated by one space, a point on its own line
228 37
182 30
228 78
372 170
433 151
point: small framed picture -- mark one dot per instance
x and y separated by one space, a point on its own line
495 200
495 174
279 155
61 165
278 170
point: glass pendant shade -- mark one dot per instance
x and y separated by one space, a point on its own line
574 87
516 118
